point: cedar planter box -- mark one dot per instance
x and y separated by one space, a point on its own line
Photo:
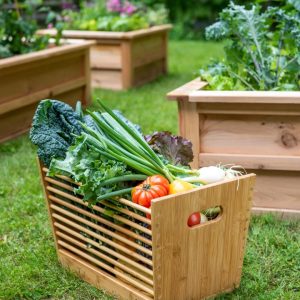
60 73
258 130
122 60
179 262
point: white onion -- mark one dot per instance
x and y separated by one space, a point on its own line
211 174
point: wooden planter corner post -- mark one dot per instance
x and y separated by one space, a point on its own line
257 130
121 60
60 73
179 262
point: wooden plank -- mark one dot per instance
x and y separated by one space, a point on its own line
256 135
148 72
107 79
189 122
250 161
184 256
48 203
277 190
43 54
249 109
148 49
99 278
282 214
183 91
266 97
127 64
106 57
96 35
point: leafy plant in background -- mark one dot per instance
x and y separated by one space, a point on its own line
114 15
17 34
262 51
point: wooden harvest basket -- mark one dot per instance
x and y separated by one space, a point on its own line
258 130
121 60
179 262
60 73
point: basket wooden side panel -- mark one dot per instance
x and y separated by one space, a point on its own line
113 253
199 262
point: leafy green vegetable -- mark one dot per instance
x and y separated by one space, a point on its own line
115 16
53 128
176 149
97 174
17 33
263 50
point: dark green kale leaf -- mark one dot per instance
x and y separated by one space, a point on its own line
53 128
175 149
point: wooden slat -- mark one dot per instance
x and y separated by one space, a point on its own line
102 220
60 184
96 35
115 262
98 277
282 214
99 209
183 92
267 97
106 267
106 57
190 257
102 229
118 246
42 54
135 206
107 79
65 178
100 246
250 161
127 212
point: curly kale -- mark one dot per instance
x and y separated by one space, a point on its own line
262 52
53 128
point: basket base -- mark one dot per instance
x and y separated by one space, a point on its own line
98 278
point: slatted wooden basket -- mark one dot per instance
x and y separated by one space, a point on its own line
133 257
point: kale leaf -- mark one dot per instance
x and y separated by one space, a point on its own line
262 49
175 149
53 128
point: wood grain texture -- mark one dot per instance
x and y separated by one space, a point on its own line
60 73
122 60
108 254
195 263
259 130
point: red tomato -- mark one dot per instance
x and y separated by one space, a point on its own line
153 187
194 219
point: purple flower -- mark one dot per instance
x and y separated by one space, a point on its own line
50 25
114 6
128 8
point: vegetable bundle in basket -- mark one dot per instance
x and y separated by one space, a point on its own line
109 156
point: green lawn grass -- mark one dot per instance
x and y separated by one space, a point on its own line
28 264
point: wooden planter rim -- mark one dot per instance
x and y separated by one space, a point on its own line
43 54
192 92
87 34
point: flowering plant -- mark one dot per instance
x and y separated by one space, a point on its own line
114 15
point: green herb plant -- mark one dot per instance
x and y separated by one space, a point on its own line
262 51
17 33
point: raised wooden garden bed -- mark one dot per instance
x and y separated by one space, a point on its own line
258 130
60 73
121 60
136 258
